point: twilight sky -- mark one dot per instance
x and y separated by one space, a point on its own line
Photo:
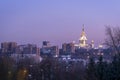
58 21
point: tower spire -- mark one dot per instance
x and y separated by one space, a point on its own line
83 28
83 38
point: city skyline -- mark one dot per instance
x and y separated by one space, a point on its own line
56 21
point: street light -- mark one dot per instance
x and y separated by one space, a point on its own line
25 71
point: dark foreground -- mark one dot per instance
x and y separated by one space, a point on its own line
53 69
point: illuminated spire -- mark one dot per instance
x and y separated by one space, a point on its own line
83 38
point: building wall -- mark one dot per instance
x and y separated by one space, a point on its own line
68 48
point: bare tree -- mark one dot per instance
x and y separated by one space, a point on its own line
113 38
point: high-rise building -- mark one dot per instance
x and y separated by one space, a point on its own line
46 44
92 44
48 50
54 50
30 49
83 39
8 47
68 48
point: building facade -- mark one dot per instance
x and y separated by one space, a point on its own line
68 48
